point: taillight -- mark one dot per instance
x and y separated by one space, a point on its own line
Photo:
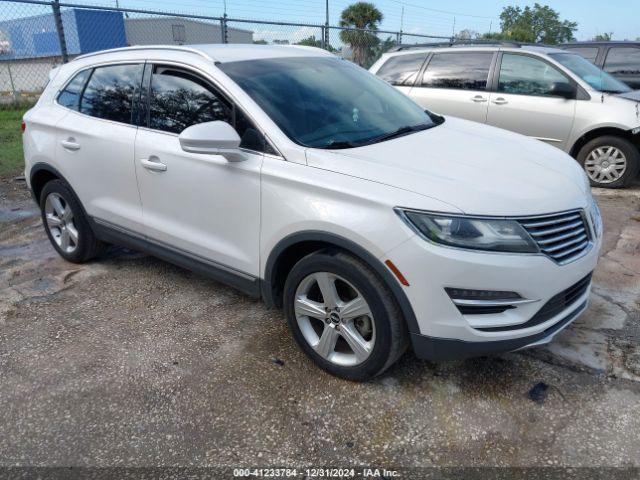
23 126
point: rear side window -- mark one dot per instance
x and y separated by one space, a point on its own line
70 96
623 61
110 92
523 75
460 71
180 99
402 69
590 53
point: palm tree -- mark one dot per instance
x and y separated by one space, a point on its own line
364 16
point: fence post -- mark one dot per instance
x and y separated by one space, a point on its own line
224 38
399 38
323 41
55 5
13 87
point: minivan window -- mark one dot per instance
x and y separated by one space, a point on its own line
110 92
524 75
623 61
180 99
461 71
70 96
589 53
588 72
402 69
327 102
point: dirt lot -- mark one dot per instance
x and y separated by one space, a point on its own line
130 361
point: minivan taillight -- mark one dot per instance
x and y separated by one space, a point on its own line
23 126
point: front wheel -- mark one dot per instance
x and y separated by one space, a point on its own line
343 316
610 161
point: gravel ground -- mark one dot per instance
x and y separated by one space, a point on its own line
130 361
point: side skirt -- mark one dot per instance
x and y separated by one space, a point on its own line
113 234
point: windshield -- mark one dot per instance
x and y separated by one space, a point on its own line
327 102
587 71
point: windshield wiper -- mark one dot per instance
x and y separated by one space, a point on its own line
337 144
399 133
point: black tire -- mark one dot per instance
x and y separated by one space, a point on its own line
391 337
630 151
88 246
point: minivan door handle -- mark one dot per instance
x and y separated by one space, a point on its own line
478 99
70 144
154 164
500 101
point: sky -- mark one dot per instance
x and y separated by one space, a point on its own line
426 17
422 16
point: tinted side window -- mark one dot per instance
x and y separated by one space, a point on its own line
462 71
110 92
623 61
70 96
524 75
590 53
180 99
402 69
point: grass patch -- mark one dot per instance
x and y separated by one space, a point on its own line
11 158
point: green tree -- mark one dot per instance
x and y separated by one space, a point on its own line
537 24
604 37
312 41
364 16
261 41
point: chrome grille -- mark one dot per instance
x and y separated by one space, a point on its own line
561 236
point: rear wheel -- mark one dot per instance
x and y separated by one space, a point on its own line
66 224
610 161
343 316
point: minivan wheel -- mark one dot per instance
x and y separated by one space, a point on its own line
343 316
610 161
66 224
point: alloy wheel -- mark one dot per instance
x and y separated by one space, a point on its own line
60 223
605 164
334 319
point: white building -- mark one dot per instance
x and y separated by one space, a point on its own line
180 31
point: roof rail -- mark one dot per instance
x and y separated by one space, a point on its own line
457 43
147 47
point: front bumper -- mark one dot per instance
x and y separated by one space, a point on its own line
444 333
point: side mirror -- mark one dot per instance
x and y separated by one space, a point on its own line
564 90
214 138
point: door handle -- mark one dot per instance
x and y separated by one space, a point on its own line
154 164
500 101
478 99
70 144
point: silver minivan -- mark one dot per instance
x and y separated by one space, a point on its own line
546 93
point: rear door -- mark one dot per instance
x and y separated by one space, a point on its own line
522 101
95 142
624 64
455 83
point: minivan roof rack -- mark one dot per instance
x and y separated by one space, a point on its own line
457 43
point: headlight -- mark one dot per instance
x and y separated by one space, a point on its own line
596 218
496 235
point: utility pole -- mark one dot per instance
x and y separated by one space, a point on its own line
399 39
490 26
453 32
325 31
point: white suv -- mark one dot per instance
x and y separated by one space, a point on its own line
301 178
549 94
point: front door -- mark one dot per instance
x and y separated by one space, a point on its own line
200 205
523 102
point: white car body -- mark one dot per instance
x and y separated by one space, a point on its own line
235 219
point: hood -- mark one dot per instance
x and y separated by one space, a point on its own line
634 95
478 169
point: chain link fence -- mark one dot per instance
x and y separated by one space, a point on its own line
37 35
